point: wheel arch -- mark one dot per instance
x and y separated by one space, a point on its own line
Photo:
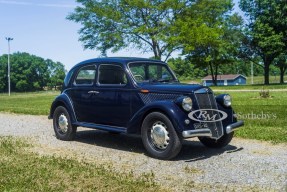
168 108
63 100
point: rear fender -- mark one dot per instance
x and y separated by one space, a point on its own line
65 101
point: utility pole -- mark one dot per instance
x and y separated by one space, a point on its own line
9 88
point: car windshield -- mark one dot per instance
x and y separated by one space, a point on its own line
151 72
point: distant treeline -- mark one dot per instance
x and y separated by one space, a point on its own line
30 73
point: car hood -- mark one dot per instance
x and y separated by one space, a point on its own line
171 87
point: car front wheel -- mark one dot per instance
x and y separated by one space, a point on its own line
219 143
63 127
159 136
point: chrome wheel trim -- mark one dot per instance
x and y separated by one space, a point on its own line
159 135
63 123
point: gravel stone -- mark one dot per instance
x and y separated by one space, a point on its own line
244 165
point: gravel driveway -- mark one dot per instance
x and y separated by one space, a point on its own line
244 165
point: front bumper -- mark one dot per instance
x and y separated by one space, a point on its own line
207 133
234 126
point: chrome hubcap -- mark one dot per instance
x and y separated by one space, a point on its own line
160 135
63 123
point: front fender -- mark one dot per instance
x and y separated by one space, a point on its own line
65 101
169 108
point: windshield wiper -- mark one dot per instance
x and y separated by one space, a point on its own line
162 80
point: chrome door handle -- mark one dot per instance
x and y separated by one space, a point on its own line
93 92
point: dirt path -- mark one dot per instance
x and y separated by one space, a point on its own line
244 165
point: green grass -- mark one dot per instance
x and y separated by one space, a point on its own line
26 171
260 79
250 87
36 103
245 103
265 119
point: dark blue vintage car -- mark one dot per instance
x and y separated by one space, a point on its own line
142 96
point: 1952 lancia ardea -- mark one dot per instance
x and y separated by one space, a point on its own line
142 96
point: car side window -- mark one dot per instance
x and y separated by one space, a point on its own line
86 75
111 75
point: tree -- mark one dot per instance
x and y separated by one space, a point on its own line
281 63
266 30
29 72
3 72
184 69
56 73
210 34
118 24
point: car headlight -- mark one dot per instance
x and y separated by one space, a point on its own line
227 100
187 103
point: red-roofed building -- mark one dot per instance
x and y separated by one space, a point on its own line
231 79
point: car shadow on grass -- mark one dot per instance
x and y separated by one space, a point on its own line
192 150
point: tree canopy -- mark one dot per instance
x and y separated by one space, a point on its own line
207 33
30 73
119 24
266 30
210 34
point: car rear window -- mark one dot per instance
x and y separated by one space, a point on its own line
86 75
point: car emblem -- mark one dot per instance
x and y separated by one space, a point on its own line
207 115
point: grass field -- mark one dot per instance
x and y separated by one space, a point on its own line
260 79
25 171
265 119
37 103
250 87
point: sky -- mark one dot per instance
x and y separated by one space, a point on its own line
40 27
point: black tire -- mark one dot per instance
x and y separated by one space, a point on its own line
172 143
65 131
213 143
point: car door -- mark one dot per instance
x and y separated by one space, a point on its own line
81 93
112 96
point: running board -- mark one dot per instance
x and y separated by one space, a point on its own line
102 127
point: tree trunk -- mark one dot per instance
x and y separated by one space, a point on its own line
281 77
267 62
266 74
214 78
216 72
282 73
155 49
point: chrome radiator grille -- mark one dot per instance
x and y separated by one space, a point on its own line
205 101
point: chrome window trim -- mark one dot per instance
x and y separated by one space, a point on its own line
85 85
150 62
110 85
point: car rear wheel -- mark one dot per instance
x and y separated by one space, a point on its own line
159 137
219 143
63 127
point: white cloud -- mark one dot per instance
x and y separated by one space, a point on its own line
15 3
37 4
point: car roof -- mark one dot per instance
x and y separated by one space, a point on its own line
121 60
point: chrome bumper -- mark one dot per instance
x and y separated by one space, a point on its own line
197 133
234 126
207 133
